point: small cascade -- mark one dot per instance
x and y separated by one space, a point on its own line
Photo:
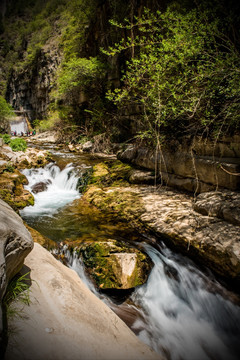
53 188
179 312
19 126
73 261
186 315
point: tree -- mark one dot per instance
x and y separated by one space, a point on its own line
6 112
184 74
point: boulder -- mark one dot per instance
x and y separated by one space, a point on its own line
15 243
114 265
71 148
12 190
142 177
40 186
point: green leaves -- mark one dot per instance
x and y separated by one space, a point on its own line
186 73
77 73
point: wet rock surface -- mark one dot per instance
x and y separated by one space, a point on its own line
40 186
12 189
213 241
11 180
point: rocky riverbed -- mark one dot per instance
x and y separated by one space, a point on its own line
205 227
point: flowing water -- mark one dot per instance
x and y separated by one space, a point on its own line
181 312
19 126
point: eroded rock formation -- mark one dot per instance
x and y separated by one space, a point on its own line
196 167
205 227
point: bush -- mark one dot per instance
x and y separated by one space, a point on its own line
18 144
6 138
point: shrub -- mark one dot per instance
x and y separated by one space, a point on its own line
18 144
6 138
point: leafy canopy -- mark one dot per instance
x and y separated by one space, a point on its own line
184 75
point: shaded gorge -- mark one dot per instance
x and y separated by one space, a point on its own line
181 311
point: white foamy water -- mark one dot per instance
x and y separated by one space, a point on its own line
19 126
61 189
183 316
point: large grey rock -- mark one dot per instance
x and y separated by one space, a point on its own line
204 237
224 205
40 186
15 244
176 164
142 177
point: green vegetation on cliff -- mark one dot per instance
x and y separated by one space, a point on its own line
174 73
183 73
6 112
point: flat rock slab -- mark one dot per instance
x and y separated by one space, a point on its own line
210 240
214 241
66 321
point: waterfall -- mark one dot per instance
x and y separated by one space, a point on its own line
60 188
20 126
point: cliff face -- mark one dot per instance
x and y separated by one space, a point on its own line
29 88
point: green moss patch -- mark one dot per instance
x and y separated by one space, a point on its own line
101 261
110 173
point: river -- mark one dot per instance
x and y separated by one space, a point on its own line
182 312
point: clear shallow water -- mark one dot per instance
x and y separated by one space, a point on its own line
180 312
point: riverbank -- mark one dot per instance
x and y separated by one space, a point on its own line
110 190
65 320
205 228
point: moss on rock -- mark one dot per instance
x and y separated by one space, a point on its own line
114 265
110 173
13 192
